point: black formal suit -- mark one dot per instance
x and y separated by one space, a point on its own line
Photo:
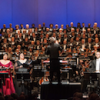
73 27
53 51
39 30
0 43
60 40
77 43
89 45
66 38
57 29
38 47
93 69
33 39
98 44
76 33
95 31
3 30
64 46
44 28
85 45
68 29
41 40
51 29
84 28
71 44
20 40
93 66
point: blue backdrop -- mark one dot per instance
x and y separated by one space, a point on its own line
49 11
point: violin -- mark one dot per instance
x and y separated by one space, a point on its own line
45 78
85 65
41 81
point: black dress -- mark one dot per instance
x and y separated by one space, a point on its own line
18 84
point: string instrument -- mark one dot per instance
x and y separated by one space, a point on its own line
93 51
67 67
61 53
45 78
86 65
41 80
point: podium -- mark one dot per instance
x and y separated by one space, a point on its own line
59 91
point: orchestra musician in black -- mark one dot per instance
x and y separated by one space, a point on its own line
53 50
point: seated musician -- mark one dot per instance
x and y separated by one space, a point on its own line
82 67
18 65
8 87
45 78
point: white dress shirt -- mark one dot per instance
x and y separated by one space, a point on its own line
83 46
89 45
98 64
64 47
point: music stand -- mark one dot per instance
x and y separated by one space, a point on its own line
23 75
36 74
3 75
37 71
92 76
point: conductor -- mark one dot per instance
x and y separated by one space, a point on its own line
53 50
